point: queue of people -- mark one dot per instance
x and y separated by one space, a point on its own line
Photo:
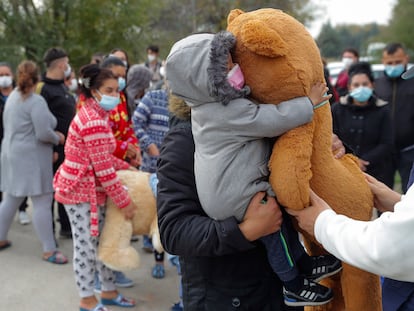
129 105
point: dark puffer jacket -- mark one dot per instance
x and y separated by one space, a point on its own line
221 270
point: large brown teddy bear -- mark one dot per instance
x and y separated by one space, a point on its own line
115 248
280 61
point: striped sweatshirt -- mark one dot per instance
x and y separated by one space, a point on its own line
88 173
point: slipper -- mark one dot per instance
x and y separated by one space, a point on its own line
6 245
119 301
158 272
57 258
98 307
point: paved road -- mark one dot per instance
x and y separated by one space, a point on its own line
28 283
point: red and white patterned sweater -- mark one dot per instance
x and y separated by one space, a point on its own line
88 173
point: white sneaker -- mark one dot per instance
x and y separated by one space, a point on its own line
24 219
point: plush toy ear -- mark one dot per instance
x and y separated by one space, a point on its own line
262 40
233 14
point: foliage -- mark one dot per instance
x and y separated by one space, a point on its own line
402 24
332 41
83 27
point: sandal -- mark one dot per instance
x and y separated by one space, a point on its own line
6 244
57 258
98 307
119 301
158 272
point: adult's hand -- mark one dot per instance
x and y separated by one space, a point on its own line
153 150
61 137
263 217
384 197
307 217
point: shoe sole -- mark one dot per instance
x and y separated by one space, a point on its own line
325 275
306 303
124 285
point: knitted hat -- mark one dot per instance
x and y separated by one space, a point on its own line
53 54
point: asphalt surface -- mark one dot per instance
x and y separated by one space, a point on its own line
28 283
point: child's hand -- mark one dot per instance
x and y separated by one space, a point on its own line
319 93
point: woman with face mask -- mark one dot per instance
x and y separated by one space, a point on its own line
86 178
362 121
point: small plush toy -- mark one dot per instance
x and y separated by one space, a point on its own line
115 248
280 61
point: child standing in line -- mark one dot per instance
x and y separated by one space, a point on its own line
85 180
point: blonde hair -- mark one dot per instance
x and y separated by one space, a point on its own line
27 76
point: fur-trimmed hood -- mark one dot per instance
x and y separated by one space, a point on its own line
197 69
178 107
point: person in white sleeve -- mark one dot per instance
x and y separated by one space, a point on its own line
382 246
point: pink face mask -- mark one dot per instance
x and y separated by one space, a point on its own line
235 77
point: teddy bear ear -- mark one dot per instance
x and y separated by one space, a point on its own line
262 40
233 14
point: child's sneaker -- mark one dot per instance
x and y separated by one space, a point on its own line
323 266
311 294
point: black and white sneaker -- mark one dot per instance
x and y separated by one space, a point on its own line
323 266
311 294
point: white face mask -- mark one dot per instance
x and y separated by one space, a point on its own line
162 71
67 71
5 81
73 87
151 57
347 61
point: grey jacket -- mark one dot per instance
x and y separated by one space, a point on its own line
27 146
231 133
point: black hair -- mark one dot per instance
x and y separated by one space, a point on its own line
92 77
360 68
351 50
111 61
391 48
120 50
153 48
53 54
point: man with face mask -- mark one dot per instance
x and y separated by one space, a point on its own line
349 57
154 64
399 93
62 105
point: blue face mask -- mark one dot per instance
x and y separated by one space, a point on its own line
108 102
121 84
394 71
361 94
